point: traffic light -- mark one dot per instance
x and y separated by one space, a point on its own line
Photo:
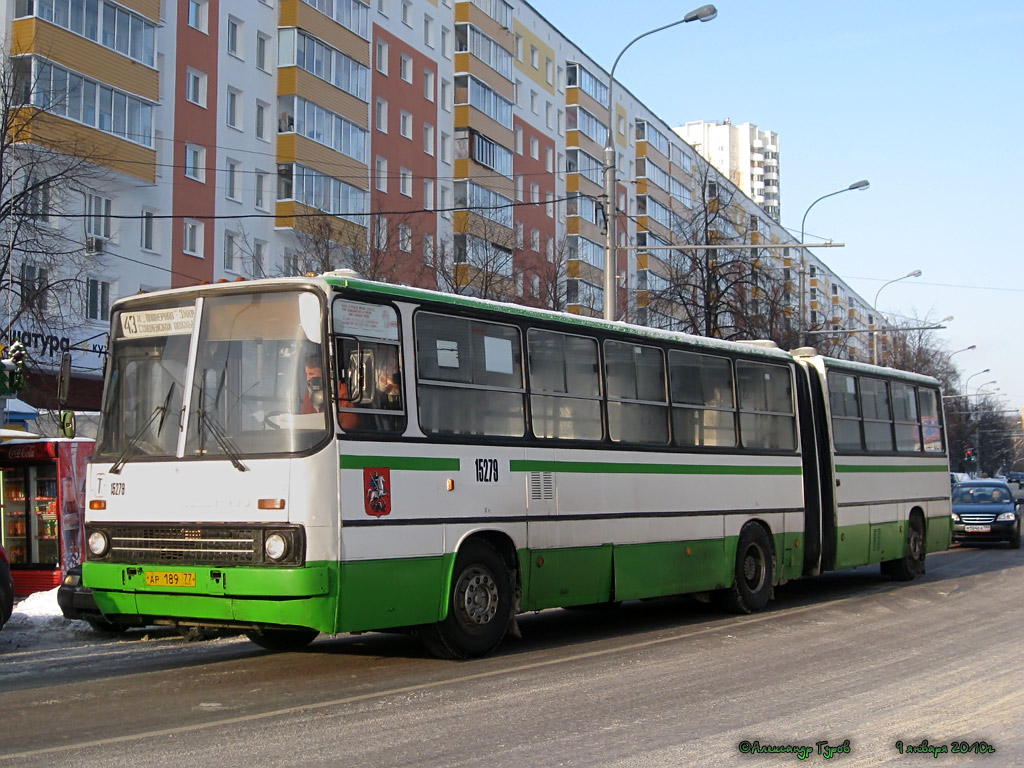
970 456
12 370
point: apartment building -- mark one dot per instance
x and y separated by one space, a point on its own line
745 154
455 144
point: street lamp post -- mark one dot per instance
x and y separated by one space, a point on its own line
874 336
977 392
862 184
704 13
965 349
968 382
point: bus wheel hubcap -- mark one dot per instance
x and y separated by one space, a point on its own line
753 568
478 596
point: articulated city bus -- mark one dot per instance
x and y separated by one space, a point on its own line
329 454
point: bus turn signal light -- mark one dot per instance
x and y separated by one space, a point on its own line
97 504
270 504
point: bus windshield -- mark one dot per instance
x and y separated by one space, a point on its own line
253 385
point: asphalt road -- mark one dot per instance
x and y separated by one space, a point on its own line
847 659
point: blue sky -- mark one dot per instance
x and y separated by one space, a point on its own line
923 99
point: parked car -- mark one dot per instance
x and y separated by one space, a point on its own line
957 477
6 588
1015 477
76 602
985 510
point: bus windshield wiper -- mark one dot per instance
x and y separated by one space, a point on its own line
129 450
204 422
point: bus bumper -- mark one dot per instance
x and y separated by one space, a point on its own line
243 597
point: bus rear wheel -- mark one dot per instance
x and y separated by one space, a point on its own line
282 639
479 605
755 564
912 562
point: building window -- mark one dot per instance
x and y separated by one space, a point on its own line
195 87
230 251
261 121
262 42
231 173
99 300
428 31
446 42
534 57
428 250
260 183
428 194
405 238
519 140
535 240
197 14
233 109
446 95
97 216
147 234
195 162
381 169
382 57
259 256
382 115
534 148
446 148
405 182
428 139
405 124
406 68
33 286
428 84
193 242
407 13
233 38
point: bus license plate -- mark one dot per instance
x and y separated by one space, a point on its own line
170 579
977 528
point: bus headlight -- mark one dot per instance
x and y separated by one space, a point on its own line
98 543
276 546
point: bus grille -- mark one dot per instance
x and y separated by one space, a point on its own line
186 545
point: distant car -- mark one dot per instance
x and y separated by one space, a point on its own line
6 588
76 602
985 510
957 477
1015 477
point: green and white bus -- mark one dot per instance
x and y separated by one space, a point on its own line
329 454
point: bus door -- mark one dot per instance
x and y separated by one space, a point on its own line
818 473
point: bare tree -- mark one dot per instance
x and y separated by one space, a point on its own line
710 291
387 251
47 172
480 262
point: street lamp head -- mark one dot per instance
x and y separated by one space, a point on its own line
704 13
915 273
862 184
946 319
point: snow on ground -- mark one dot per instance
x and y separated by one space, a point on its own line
37 621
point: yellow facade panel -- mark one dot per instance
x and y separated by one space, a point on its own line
293 80
294 148
148 8
641 260
492 129
85 57
572 269
572 182
97 147
545 52
479 19
572 225
325 28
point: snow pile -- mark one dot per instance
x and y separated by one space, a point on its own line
38 620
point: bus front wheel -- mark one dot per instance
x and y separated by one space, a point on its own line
479 605
755 564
